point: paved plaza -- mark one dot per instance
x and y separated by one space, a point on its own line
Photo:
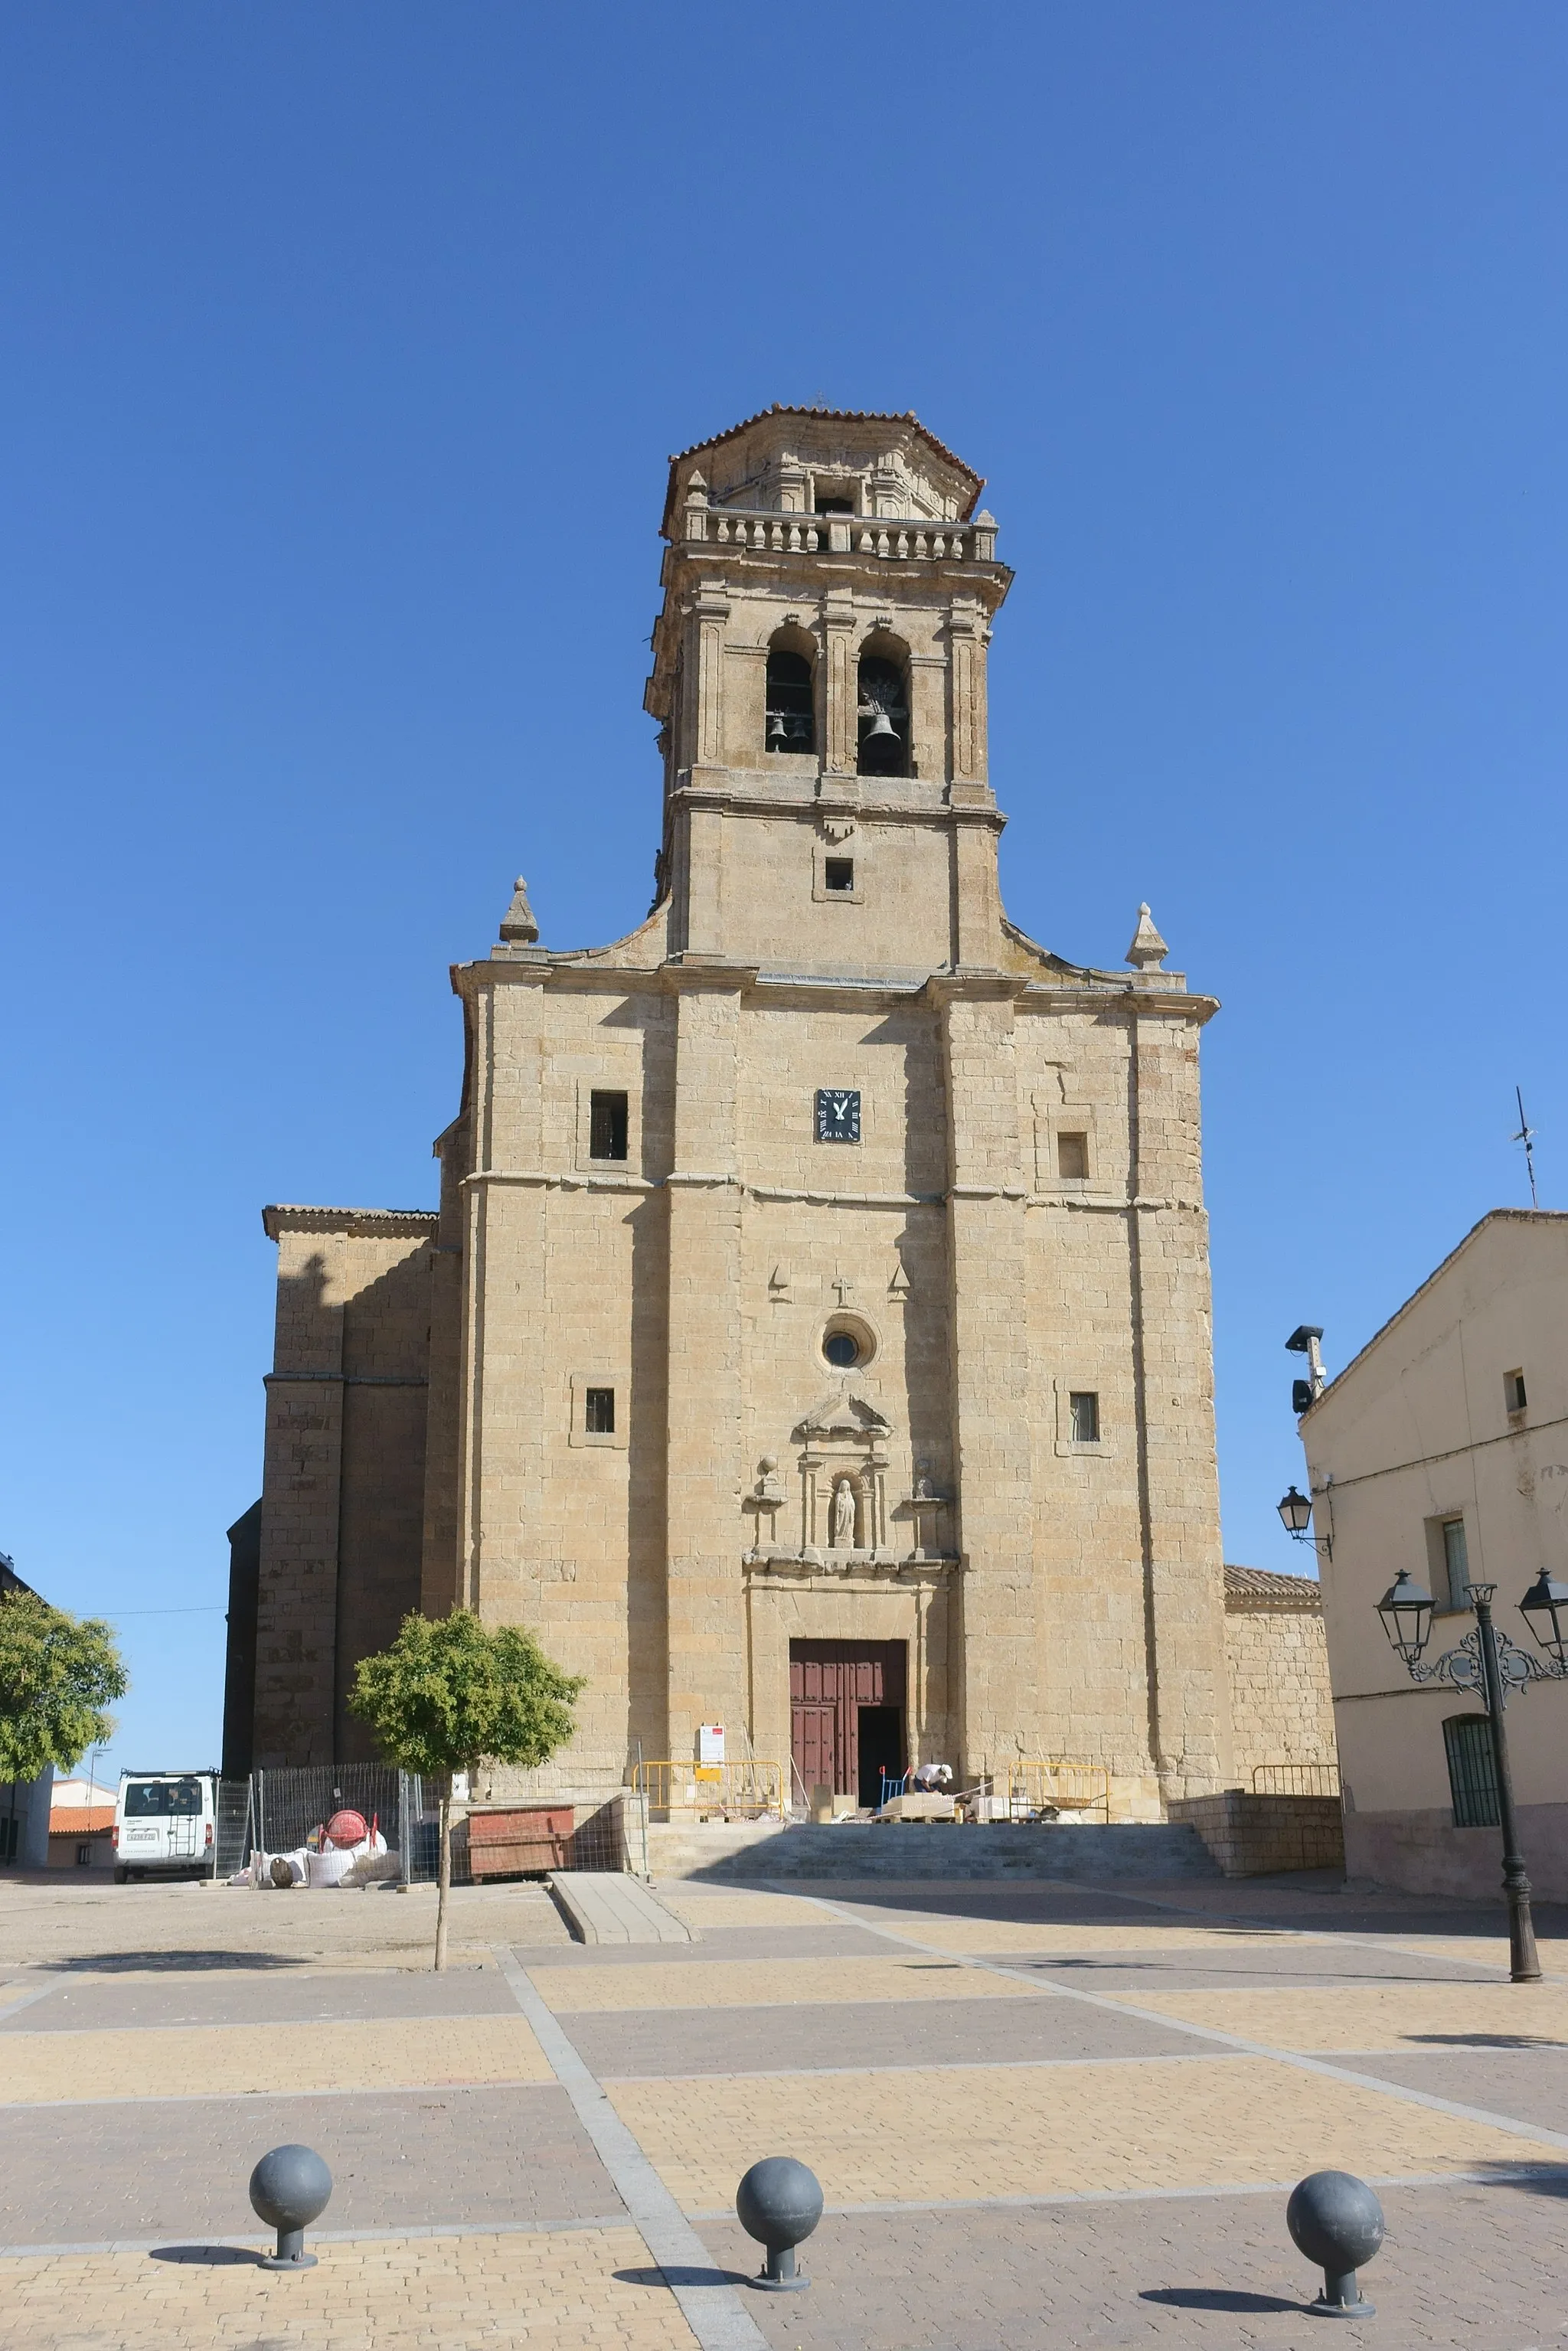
1043 2114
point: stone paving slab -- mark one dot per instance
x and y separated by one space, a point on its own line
699 1908
1320 1907
1489 1951
235 2060
670 1982
106 2174
1475 2267
130 1927
818 1937
1371 2016
1306 1966
276 1997
1478 2070
1001 1934
860 2037
1057 2130
584 2291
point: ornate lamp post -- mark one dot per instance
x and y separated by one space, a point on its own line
1487 1661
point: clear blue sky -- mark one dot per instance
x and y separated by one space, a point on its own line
344 348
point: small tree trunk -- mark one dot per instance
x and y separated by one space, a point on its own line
443 1881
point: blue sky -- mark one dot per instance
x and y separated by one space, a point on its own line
344 350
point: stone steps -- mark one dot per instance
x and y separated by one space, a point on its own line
741 1852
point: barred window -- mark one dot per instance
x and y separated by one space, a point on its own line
1472 1781
1083 1413
607 1121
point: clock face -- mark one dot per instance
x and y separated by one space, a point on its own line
838 1114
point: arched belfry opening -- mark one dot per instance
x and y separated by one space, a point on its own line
882 709
791 724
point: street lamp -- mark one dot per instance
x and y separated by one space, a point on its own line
1405 1609
1486 1661
1544 1608
1296 1516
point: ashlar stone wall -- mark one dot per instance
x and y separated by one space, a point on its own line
1281 1707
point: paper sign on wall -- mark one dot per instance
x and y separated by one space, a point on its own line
710 1742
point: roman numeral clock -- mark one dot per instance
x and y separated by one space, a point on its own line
838 1114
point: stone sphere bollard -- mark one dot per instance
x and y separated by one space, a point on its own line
780 2202
1337 2222
289 2188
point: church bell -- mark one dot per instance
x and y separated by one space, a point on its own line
882 725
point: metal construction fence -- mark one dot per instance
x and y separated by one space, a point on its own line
1061 1783
280 1811
1295 1780
748 1790
288 1807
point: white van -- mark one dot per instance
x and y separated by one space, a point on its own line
164 1825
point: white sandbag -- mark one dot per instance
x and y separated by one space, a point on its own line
329 1868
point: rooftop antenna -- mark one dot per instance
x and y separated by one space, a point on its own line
1526 1136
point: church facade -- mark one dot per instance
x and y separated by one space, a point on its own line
814 1333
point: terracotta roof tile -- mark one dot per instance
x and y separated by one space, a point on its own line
83 1819
1259 1587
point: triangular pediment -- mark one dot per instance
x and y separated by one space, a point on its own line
841 1413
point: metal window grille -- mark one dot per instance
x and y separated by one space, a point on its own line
607 1116
1083 1405
1472 1782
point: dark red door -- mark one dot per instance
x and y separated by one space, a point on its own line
829 1681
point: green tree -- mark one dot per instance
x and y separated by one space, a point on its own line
451 1693
58 1673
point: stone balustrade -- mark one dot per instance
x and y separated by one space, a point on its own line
885 537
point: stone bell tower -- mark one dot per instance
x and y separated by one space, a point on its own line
819 1305
819 669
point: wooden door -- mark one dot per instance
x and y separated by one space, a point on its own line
829 1681
814 1746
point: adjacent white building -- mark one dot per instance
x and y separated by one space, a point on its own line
1443 1448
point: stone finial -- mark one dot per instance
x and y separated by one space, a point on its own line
517 923
697 489
1147 948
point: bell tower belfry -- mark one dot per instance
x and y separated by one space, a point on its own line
820 677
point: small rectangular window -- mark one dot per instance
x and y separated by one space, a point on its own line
84 1856
1073 1156
1457 1562
1083 1413
838 873
1472 1780
607 1127
599 1410
1513 1389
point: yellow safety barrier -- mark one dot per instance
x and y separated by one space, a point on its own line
748 1790
1062 1781
1295 1780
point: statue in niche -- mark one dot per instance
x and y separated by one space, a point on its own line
843 1538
